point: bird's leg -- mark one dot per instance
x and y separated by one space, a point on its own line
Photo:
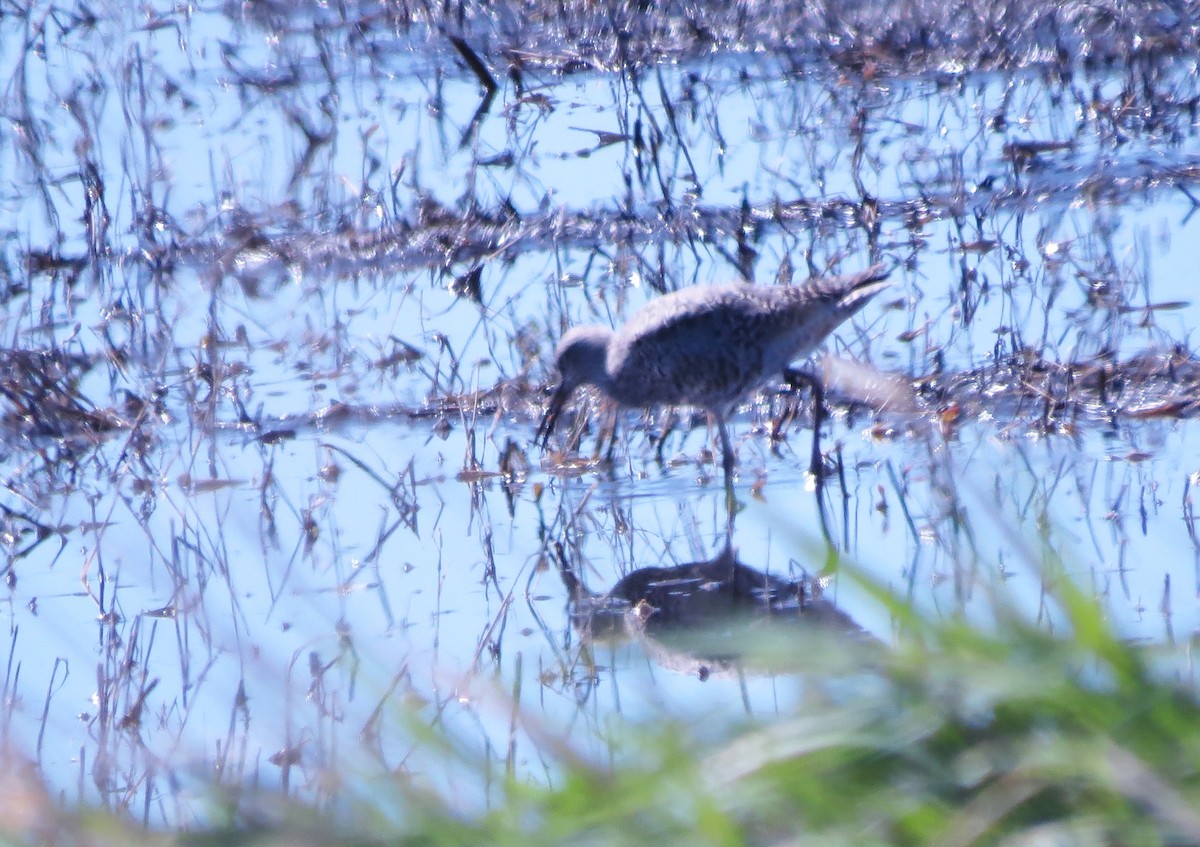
727 462
668 428
609 431
778 426
727 457
796 378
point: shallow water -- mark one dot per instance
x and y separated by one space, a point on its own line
261 240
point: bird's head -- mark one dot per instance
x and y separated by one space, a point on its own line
580 359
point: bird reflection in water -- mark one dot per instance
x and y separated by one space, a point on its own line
702 618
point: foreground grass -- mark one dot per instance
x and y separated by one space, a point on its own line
956 735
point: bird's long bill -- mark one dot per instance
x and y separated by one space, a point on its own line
546 427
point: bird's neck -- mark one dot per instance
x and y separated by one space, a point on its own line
594 366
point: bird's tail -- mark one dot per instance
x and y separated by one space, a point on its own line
852 291
824 302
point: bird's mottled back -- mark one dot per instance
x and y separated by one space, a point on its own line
708 346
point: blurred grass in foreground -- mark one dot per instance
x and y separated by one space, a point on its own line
958 734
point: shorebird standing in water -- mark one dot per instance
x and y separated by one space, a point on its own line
710 346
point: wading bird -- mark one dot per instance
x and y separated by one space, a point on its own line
710 346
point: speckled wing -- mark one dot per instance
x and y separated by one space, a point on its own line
709 346
701 346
